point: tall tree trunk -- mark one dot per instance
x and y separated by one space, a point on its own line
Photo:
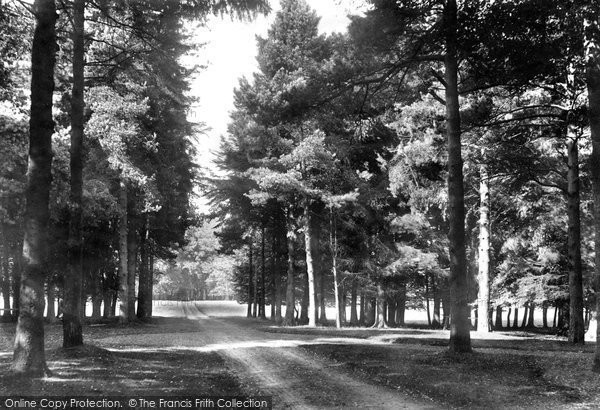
254 284
530 319
5 274
460 338
290 300
545 315
72 331
17 269
508 317
51 313
362 314
250 282
123 258
145 278
592 60
401 305
274 275
516 318
132 256
525 313
380 322
498 321
333 245
310 268
576 325
263 267
29 356
353 303
427 299
483 276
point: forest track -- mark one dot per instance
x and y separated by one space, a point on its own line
275 365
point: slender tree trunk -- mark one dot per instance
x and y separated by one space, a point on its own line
250 282
530 319
132 256
290 301
72 331
310 269
576 325
524 322
380 322
145 278
498 321
401 305
51 313
333 245
107 297
362 314
353 303
16 280
516 318
483 276
263 261
545 316
17 269
427 299
5 274
460 338
29 356
123 258
508 317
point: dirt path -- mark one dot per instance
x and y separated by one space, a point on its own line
295 379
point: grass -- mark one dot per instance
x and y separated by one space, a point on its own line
91 370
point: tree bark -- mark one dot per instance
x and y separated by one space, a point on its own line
290 301
29 356
524 321
6 276
530 319
51 313
508 317
132 256
483 276
123 257
333 245
145 278
576 324
401 305
498 321
592 61
262 305
72 330
380 322
353 303
250 282
427 299
460 338
362 313
545 316
516 318
310 268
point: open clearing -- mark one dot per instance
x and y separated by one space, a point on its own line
209 348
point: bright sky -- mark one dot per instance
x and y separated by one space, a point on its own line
229 54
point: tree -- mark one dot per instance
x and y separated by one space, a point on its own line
72 331
29 356
592 64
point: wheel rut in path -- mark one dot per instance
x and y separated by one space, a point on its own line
295 378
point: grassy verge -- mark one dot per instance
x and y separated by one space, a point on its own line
91 370
489 378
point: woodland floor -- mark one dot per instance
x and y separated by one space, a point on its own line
207 348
